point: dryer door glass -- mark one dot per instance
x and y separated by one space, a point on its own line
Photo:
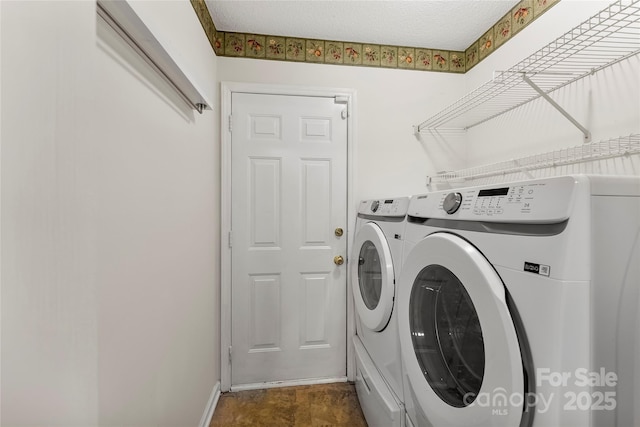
446 334
370 275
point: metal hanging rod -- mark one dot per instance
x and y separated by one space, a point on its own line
607 38
154 55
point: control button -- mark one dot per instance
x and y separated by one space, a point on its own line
489 211
499 211
476 211
375 205
544 270
452 203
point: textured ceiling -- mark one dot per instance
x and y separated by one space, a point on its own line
451 24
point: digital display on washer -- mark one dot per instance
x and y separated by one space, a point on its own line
494 192
386 202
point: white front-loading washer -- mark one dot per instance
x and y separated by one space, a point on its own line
375 266
518 304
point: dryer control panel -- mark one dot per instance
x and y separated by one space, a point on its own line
397 207
538 201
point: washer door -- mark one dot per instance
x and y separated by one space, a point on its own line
372 277
458 340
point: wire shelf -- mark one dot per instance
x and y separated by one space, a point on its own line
610 148
599 42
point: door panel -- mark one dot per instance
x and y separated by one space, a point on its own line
265 300
264 206
289 180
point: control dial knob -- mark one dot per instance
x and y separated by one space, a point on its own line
375 205
452 202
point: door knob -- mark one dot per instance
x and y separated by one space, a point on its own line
339 232
338 260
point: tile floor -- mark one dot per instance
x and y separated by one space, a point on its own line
324 405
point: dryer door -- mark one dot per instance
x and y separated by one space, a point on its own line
458 340
372 277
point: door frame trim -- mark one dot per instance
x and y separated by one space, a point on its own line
227 89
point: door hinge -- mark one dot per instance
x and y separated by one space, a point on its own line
230 353
230 123
341 99
230 239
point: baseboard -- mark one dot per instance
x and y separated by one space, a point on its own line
211 406
311 381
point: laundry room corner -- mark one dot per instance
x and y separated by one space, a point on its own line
605 102
306 212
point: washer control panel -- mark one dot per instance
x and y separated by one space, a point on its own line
543 200
397 207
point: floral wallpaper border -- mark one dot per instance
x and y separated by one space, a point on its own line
260 46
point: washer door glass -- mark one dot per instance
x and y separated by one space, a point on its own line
458 340
447 337
370 275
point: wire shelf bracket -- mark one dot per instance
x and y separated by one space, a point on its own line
554 104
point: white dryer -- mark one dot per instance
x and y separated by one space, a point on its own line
375 266
518 304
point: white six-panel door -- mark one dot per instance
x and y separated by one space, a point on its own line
289 194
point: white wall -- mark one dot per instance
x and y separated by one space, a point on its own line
49 339
607 103
389 159
0 218
110 223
